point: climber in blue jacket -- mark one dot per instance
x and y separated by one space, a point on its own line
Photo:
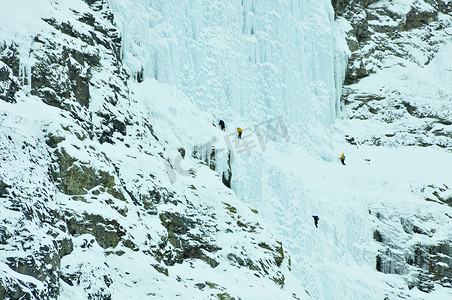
316 221
222 126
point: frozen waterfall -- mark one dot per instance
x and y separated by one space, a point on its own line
244 61
275 69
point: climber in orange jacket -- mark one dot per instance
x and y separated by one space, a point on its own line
342 158
239 131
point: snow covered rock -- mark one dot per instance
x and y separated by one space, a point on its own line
397 94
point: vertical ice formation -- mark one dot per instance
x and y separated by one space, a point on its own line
245 61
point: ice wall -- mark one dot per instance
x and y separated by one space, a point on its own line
244 61
247 62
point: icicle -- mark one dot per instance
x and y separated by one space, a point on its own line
29 77
25 75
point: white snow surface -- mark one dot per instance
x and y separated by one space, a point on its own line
253 64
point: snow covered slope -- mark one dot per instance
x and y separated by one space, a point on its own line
114 183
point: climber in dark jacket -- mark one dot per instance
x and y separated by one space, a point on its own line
222 126
316 221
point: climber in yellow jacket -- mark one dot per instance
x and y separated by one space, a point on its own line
342 158
239 131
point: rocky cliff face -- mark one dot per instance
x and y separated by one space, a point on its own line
396 48
388 35
87 208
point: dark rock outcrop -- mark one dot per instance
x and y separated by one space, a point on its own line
380 38
9 72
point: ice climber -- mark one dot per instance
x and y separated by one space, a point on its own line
342 158
222 126
316 221
239 131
